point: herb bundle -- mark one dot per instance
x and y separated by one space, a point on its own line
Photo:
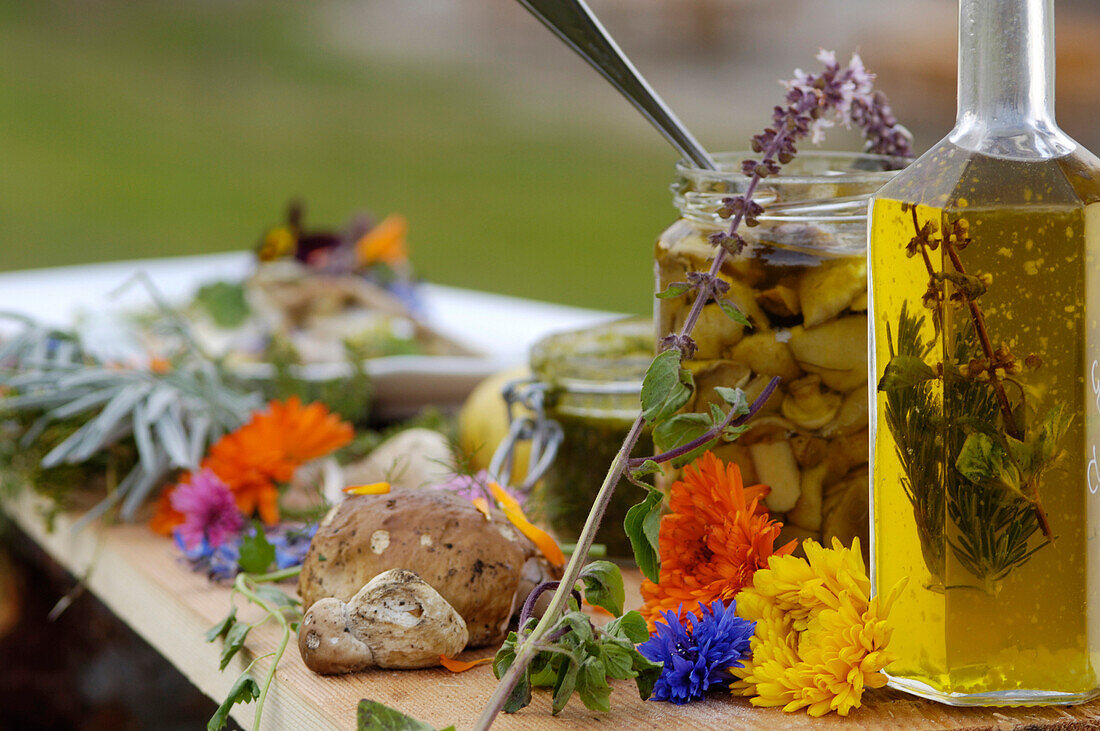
80 409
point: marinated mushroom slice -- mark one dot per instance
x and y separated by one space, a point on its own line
839 345
715 333
738 454
859 304
836 351
845 513
807 511
755 387
850 418
724 373
809 451
846 453
746 268
780 301
766 354
808 406
767 428
744 297
790 532
847 381
776 468
827 290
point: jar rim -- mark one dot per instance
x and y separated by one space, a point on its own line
729 164
604 359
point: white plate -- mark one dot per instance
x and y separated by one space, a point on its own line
503 328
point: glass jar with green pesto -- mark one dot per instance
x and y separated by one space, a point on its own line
801 281
593 380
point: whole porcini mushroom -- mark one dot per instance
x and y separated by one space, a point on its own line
396 621
481 565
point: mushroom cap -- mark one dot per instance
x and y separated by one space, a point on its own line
405 622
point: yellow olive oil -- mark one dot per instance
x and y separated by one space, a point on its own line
986 424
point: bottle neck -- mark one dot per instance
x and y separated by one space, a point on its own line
1006 79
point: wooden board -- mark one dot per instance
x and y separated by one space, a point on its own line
140 577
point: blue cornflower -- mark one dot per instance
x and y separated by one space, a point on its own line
291 543
219 564
697 651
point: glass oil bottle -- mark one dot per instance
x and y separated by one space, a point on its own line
985 386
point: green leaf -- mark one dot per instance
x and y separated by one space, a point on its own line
970 285
505 656
603 586
675 289
680 430
905 371
717 416
245 690
733 433
275 596
733 312
225 303
375 716
521 695
735 397
580 628
1053 427
564 685
234 641
220 629
642 525
983 461
630 626
666 387
544 669
256 554
645 469
647 673
618 660
592 685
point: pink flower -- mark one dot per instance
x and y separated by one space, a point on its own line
475 486
209 511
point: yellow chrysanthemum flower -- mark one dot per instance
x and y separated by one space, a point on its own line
819 640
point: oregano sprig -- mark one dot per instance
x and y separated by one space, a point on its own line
813 103
277 605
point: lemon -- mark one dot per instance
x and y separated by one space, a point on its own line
483 422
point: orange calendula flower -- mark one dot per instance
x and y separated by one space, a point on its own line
374 488
384 243
715 537
303 432
538 536
252 460
461 666
165 518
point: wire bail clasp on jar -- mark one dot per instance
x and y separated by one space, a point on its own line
544 434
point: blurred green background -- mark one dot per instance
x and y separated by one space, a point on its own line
139 128
152 129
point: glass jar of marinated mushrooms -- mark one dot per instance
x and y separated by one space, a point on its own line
801 282
593 381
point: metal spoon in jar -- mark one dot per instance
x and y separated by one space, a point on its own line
574 23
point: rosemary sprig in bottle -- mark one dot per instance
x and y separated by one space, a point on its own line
968 455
